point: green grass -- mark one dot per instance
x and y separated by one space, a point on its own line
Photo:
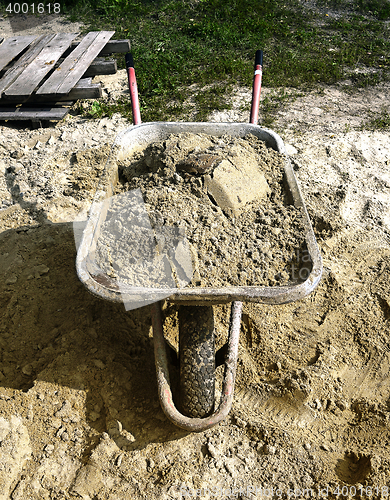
211 43
379 121
274 101
379 9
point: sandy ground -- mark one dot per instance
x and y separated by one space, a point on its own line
79 412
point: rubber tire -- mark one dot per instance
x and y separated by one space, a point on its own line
197 361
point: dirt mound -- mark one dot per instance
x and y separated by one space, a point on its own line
222 195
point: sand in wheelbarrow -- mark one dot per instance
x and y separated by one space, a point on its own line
226 195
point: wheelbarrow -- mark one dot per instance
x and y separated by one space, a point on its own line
197 357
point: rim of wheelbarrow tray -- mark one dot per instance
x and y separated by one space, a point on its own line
136 138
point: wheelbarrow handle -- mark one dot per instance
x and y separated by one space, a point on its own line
258 58
133 88
256 87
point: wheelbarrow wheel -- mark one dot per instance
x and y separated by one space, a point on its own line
197 360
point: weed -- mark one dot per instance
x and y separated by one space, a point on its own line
347 128
380 121
96 109
274 102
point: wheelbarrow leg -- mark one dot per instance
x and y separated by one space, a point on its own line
164 389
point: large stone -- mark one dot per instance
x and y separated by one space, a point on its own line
236 182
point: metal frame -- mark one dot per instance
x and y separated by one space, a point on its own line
137 138
164 387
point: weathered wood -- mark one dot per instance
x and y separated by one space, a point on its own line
74 66
116 47
28 61
19 65
84 89
29 79
84 82
101 67
13 47
17 113
111 47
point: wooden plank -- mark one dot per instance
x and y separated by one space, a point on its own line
13 47
33 113
29 79
116 46
19 66
84 82
111 47
67 66
74 66
84 89
101 67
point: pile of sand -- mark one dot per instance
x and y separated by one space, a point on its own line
223 201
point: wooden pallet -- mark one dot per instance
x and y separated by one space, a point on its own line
38 74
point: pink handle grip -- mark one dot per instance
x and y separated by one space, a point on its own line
254 116
133 89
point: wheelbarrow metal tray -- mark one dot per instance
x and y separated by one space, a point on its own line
137 138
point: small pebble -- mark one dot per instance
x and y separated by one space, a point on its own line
40 270
60 431
269 450
114 428
230 468
128 436
213 451
65 436
330 404
55 423
93 416
342 404
99 364
240 422
49 448
27 369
